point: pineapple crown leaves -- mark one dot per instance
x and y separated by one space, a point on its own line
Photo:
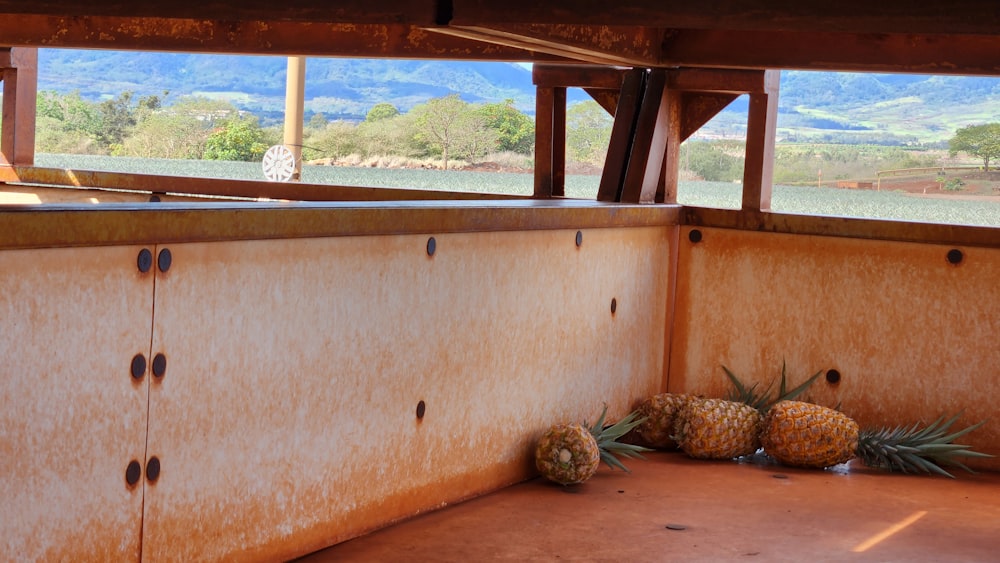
763 400
607 439
912 449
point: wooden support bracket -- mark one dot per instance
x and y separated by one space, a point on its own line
19 72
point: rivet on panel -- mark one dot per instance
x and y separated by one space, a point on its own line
138 367
145 260
955 256
132 473
694 236
164 259
431 246
579 238
154 198
153 469
159 365
614 305
833 377
421 409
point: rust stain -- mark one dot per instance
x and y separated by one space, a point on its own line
72 417
287 419
910 333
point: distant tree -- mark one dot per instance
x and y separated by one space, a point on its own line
381 111
451 126
167 134
515 130
336 139
982 141
588 131
117 119
239 138
318 121
719 161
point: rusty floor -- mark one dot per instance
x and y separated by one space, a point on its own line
671 508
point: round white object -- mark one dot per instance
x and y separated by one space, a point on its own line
279 164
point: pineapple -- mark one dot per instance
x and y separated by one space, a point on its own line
726 429
718 429
570 453
807 435
660 412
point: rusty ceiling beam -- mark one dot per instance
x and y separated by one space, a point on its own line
599 44
852 16
394 41
919 54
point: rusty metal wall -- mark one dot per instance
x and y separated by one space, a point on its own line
73 416
912 329
297 371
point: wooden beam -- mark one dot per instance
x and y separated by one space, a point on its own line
758 168
649 144
396 41
605 45
826 50
20 88
853 16
729 81
622 132
544 140
578 75
559 142
666 191
607 99
699 108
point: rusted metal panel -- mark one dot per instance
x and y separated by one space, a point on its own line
188 185
74 416
25 226
287 418
911 333
852 227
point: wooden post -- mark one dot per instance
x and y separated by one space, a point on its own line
295 87
544 109
19 72
758 170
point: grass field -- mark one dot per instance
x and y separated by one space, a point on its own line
794 199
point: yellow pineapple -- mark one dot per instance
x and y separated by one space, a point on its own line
726 429
660 412
570 453
807 435
718 429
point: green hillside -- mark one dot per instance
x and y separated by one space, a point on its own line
813 106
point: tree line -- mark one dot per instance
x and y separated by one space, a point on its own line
445 128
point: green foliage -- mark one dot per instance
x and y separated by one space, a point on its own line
166 135
588 131
720 161
380 111
802 163
239 138
515 130
453 127
982 141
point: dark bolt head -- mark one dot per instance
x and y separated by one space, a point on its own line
159 365
431 246
133 472
164 259
833 377
145 260
694 236
421 409
138 367
579 238
153 469
955 256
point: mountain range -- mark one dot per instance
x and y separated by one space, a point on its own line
893 108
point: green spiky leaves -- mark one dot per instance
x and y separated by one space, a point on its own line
763 400
607 439
912 449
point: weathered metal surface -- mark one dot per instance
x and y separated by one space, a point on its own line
852 227
188 185
912 335
88 225
287 420
19 74
73 417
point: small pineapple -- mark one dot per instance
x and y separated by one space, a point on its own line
660 412
726 429
718 429
570 453
807 435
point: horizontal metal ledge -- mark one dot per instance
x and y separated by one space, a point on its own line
851 227
76 225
